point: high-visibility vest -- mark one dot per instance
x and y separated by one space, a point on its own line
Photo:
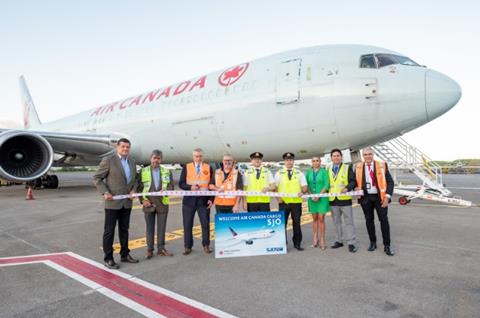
146 179
380 169
257 185
290 185
339 182
202 180
228 184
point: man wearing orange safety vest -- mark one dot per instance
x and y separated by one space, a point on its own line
227 178
196 176
376 182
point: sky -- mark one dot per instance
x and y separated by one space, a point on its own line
79 55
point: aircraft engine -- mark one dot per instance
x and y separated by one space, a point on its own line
24 156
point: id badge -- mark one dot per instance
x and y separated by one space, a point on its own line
368 185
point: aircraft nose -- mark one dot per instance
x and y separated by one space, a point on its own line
441 93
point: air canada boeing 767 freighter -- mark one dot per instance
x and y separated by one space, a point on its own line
307 101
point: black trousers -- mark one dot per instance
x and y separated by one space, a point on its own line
188 213
258 207
295 210
224 208
370 203
111 217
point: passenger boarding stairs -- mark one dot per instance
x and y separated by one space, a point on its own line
401 155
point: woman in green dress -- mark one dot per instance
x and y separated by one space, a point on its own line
317 180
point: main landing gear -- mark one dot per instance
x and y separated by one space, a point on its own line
44 182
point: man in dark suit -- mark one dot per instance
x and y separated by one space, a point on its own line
116 175
196 175
377 184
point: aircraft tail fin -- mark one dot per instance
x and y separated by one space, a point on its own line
233 231
30 116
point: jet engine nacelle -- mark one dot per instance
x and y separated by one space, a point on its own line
24 156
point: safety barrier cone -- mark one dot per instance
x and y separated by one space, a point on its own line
29 194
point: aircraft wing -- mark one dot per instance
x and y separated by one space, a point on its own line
28 154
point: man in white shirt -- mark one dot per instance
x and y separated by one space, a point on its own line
377 184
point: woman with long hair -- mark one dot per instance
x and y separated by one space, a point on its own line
317 180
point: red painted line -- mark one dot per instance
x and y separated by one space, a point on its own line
154 300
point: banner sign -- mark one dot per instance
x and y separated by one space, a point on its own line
249 234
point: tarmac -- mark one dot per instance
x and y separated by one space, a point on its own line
434 273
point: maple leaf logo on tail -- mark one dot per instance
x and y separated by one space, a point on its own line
26 111
30 116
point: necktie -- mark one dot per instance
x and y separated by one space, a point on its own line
197 167
258 174
372 176
335 170
289 174
126 169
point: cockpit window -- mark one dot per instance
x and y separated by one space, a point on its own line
406 61
382 59
386 59
368 61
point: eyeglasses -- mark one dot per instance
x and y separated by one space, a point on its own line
315 160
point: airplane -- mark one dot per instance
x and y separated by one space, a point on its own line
307 101
249 237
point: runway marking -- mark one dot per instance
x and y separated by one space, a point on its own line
197 232
145 298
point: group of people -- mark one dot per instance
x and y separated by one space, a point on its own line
117 175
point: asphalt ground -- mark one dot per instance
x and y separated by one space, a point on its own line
435 271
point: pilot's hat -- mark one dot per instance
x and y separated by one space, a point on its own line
256 155
288 155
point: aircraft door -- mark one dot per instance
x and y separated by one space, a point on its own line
287 82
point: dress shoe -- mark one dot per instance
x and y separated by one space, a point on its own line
128 259
187 251
299 248
388 251
337 245
111 264
149 255
352 248
164 252
372 247
207 249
